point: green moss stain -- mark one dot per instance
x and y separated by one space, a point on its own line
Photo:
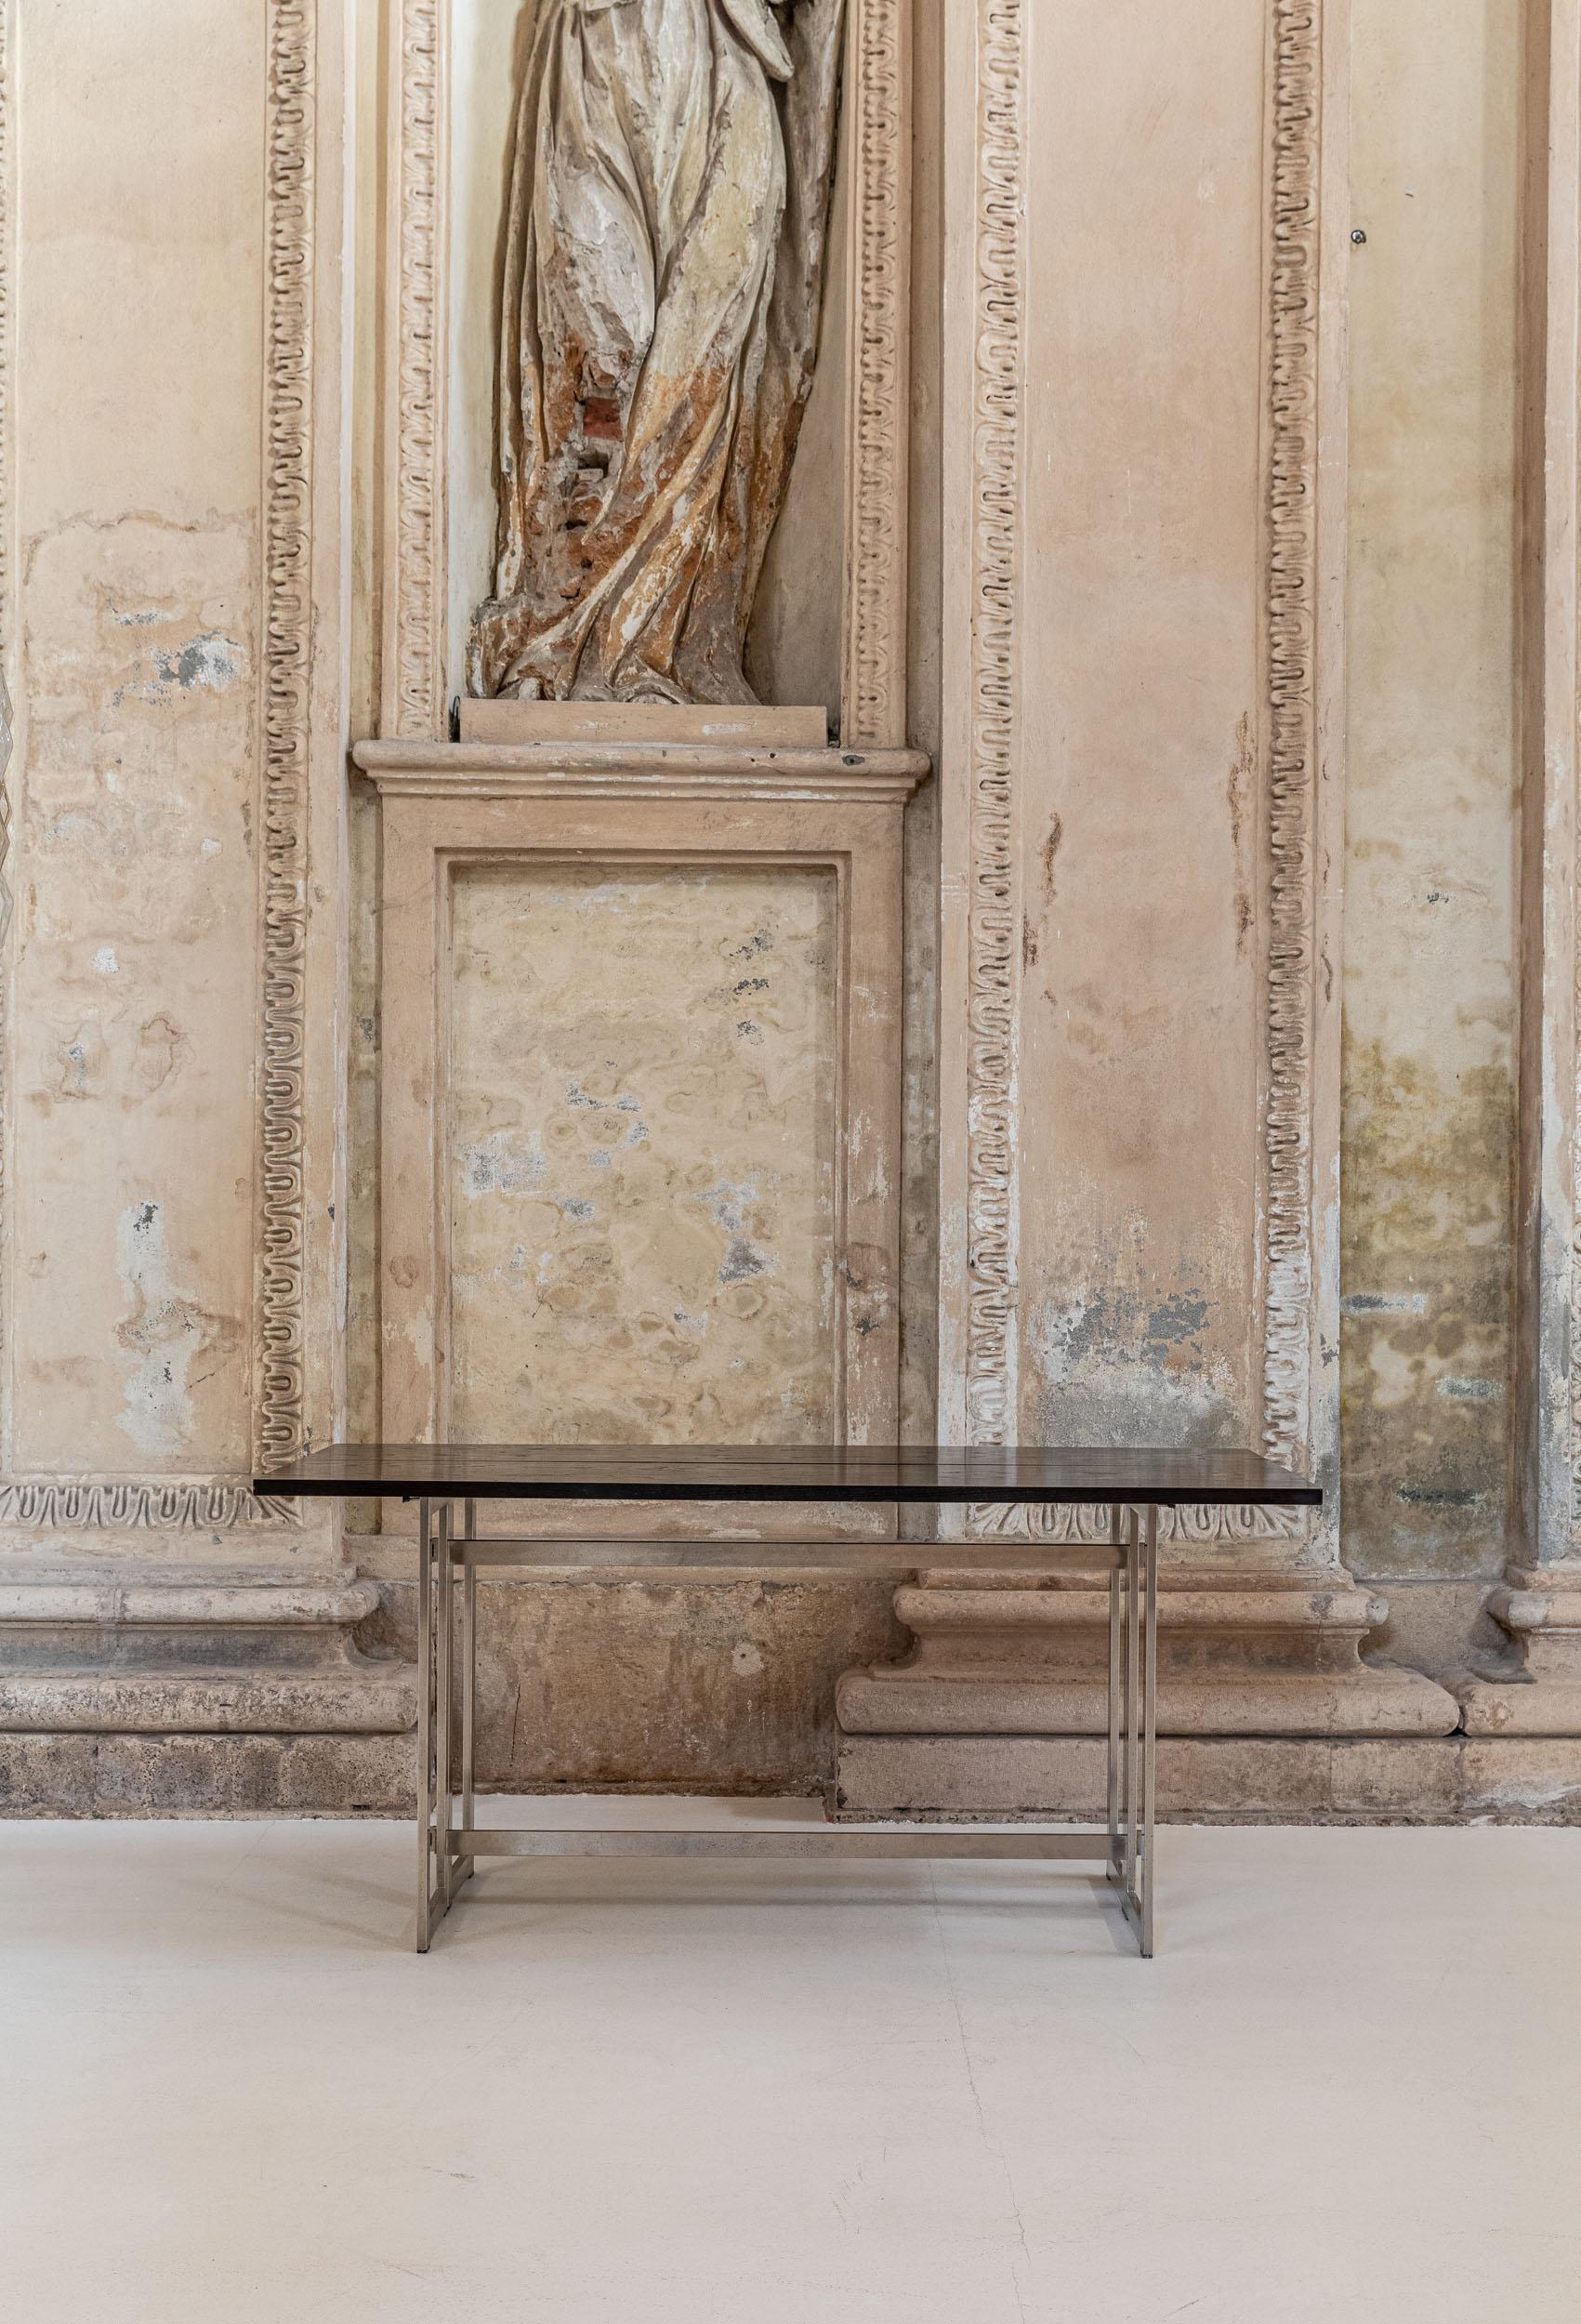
1425 1274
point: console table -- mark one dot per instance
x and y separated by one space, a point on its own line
442 1478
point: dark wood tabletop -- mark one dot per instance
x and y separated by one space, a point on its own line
791 1472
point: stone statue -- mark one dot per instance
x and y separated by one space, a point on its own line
669 216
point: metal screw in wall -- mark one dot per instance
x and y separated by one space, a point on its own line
1357 235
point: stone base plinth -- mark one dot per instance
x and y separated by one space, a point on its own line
374 1699
1266 1708
1255 1654
1539 1693
1287 1779
56 1775
1519 1704
144 1695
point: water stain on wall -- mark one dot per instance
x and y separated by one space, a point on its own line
1424 1316
1131 1363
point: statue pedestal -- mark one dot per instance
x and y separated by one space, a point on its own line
740 726
641 1101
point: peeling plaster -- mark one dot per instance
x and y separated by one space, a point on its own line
1130 1367
165 1331
210 660
505 1162
742 1260
162 1048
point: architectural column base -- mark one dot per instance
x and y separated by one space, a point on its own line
199 1695
1390 1779
108 1776
1275 1652
1539 1692
1266 1708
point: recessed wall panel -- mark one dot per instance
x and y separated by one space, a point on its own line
641 1167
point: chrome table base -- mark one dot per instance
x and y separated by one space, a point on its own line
450 1840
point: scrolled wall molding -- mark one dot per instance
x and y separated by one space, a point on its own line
998 394
80 1504
872 691
1060 1521
413 686
5 743
7 222
287 640
1290 690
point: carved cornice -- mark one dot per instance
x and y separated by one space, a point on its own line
1291 597
287 495
416 560
654 771
83 1504
999 386
873 689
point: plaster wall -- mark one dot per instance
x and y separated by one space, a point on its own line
1135 890
1139 615
135 653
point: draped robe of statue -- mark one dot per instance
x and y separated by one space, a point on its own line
665 248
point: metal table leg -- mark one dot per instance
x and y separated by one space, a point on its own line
1115 1535
464 1864
1133 1695
1150 1730
425 1724
1135 1743
444 1659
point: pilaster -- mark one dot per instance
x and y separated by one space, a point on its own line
1139 1193
1536 1688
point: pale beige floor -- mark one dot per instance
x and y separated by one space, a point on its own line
1350 2086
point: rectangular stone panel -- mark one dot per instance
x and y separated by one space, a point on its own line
641 1167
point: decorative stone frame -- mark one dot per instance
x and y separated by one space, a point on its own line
1299 815
415 684
442 809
